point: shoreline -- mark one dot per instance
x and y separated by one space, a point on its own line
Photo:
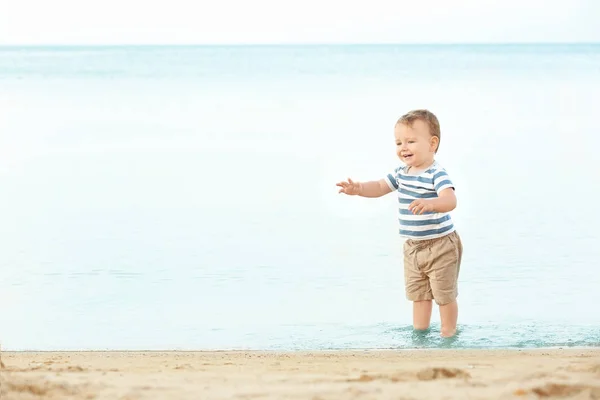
300 351
313 375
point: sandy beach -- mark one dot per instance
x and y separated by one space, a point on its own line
417 374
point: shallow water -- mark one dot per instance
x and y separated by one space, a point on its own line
183 197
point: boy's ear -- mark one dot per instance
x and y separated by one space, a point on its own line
434 143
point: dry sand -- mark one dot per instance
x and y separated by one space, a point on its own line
418 374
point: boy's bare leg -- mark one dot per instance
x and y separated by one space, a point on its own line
449 316
421 314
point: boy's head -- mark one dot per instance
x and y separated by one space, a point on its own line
417 136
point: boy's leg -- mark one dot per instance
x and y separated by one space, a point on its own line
422 314
443 272
418 289
449 317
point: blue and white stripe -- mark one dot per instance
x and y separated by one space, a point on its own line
426 185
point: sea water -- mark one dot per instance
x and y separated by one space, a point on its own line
184 197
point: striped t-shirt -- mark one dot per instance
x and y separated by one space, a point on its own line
426 185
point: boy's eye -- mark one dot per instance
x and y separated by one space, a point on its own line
411 141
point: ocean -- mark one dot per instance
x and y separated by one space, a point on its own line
184 198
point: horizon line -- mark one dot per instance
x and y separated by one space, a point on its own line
265 44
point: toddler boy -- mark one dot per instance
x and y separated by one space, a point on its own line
433 248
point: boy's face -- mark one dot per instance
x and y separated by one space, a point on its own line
414 145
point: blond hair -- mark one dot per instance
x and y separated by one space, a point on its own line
426 116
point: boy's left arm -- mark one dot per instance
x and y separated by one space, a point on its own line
445 202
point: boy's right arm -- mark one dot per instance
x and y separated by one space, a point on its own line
365 189
374 188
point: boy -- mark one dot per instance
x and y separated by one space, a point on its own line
433 249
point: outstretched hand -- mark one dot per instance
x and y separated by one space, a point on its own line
351 188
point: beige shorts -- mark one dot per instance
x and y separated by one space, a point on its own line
431 268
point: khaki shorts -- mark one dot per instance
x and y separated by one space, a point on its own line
431 268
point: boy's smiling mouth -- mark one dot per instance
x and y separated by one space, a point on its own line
407 156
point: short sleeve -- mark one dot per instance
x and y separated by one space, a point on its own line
441 181
392 178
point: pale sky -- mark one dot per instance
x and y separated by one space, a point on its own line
34 22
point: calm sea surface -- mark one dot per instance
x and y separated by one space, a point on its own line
184 197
